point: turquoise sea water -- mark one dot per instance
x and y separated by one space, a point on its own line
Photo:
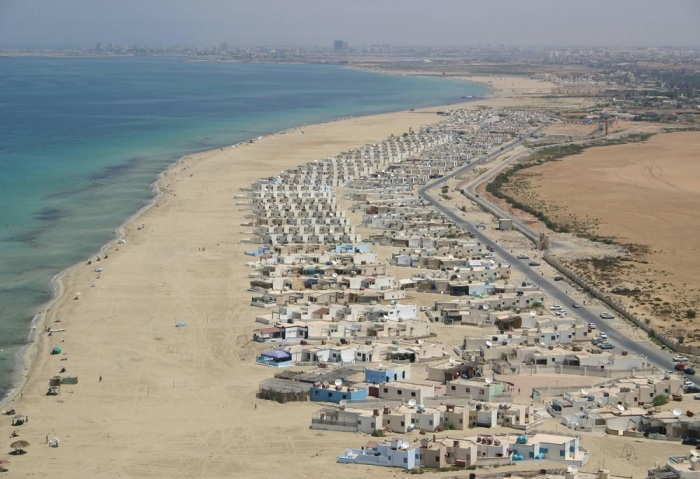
82 140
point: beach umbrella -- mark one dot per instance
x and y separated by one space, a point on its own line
19 445
2 464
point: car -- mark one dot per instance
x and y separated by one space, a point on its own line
603 335
691 389
697 396
592 326
606 315
533 263
693 441
607 346
677 359
523 256
679 366
555 307
576 305
558 278
689 371
596 341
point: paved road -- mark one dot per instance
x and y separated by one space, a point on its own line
655 356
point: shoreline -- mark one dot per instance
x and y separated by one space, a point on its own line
202 374
26 356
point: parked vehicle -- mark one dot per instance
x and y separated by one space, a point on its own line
679 358
533 263
592 326
555 307
558 278
693 441
679 366
691 389
603 335
689 371
523 256
606 315
576 305
607 346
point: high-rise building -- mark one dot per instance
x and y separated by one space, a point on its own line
340 46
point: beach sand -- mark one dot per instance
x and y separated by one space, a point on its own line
154 400
179 402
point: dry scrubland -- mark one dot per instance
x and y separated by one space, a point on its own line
646 195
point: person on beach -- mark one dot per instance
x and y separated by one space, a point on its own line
100 378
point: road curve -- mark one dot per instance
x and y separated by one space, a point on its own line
656 357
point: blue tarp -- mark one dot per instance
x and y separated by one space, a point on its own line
277 354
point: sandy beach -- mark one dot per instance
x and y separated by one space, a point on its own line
154 400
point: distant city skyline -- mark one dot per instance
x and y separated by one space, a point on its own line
81 23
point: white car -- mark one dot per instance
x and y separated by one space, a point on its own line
604 335
606 315
592 326
556 307
523 256
679 359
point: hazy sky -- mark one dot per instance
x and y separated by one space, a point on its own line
69 23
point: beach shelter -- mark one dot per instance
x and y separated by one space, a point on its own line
19 446
56 350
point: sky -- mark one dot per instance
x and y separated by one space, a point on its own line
75 23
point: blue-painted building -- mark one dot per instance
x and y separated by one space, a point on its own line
549 446
352 248
257 252
335 394
277 358
386 374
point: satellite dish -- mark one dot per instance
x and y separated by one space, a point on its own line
620 407
533 314
488 380
489 344
677 412
411 403
405 445
381 365
572 469
338 382
584 392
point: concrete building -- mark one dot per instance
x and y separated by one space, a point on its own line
394 453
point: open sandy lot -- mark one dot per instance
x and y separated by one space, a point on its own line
645 194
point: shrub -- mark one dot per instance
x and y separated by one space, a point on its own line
660 400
